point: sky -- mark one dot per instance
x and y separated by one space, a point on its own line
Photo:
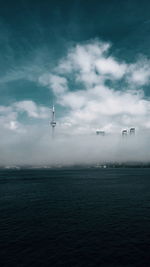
91 59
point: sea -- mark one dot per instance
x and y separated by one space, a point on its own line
75 217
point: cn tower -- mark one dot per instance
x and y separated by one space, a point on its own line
53 122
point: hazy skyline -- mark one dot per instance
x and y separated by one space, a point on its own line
91 58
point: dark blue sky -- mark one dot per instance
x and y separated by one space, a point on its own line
40 32
29 25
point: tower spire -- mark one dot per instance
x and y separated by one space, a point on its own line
53 122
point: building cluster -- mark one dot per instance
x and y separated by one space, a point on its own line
131 132
101 133
124 133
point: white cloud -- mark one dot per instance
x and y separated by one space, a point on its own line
109 66
91 64
9 116
57 83
138 73
91 103
82 57
31 109
13 125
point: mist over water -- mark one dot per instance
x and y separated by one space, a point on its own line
77 150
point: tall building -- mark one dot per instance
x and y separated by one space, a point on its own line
101 133
132 131
124 133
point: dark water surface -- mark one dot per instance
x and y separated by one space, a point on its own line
88 217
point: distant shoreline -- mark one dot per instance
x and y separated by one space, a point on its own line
76 166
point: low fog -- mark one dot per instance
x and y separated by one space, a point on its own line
42 150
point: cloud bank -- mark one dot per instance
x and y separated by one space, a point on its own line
98 90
